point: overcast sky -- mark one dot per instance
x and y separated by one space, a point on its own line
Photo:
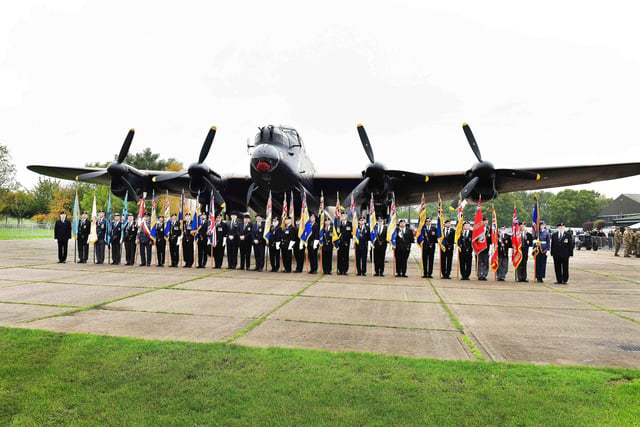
541 84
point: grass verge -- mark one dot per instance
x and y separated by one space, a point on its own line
54 378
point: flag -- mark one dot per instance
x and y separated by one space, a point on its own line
478 238
154 220
76 217
181 211
494 239
284 211
321 216
535 224
167 215
305 229
336 222
292 211
141 222
355 230
267 222
108 235
423 219
442 242
125 215
459 221
516 241
93 234
211 230
393 222
373 221
196 222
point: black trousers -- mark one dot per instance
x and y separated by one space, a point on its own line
274 258
313 258
187 252
203 253
63 245
286 258
378 259
99 248
161 250
343 259
445 263
521 271
232 253
130 251
428 254
116 251
327 258
361 261
402 256
145 253
561 267
299 256
174 253
83 250
258 251
466 260
218 255
245 255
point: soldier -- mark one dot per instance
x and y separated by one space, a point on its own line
245 243
298 248
62 233
286 244
187 241
404 239
446 255
527 242
636 243
116 237
145 241
429 242
175 233
313 244
257 233
617 240
161 242
327 246
465 251
221 229
504 243
362 247
101 230
483 257
561 250
130 233
627 239
202 241
345 242
233 237
543 242
84 228
275 237
379 247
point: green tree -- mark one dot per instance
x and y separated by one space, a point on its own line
16 204
7 170
147 160
573 207
41 196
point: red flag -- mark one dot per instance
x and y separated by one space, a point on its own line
516 241
494 239
478 240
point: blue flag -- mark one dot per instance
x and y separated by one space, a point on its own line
108 236
125 214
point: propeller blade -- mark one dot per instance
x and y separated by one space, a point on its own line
169 176
356 192
250 191
472 141
125 146
90 175
365 142
466 190
518 174
216 194
132 191
207 144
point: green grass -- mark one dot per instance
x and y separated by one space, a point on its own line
24 233
52 378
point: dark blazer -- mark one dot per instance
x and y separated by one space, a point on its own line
527 242
429 237
116 232
449 237
562 247
130 232
221 232
380 241
404 239
257 233
504 243
62 230
84 229
174 232
363 240
345 233
464 243
275 236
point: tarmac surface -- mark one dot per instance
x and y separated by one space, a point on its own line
594 320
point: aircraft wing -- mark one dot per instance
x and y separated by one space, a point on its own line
62 172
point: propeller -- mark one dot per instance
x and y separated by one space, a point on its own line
484 171
199 172
117 170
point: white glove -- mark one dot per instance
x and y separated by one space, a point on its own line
316 243
241 237
224 241
277 246
301 245
230 237
291 245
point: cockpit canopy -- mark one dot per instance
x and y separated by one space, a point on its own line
287 137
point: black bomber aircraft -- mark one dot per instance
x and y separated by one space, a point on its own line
279 164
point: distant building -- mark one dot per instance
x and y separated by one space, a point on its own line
624 210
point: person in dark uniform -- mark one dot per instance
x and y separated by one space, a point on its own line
504 243
313 244
561 250
345 241
221 229
202 241
233 238
84 228
362 247
101 230
527 242
161 241
187 241
327 246
429 243
298 248
175 232
275 236
379 248
465 251
116 239
130 234
258 242
245 243
543 242
404 239
145 241
62 233
286 244
483 257
446 255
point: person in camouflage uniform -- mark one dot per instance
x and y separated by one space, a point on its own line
617 240
636 241
627 241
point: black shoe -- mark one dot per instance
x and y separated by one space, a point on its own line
484 279
557 283
463 278
329 273
446 277
540 281
381 275
424 276
500 279
142 265
404 275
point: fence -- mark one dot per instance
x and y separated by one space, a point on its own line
25 230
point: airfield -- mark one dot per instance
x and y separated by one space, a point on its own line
594 320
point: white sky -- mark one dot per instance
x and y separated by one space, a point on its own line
560 76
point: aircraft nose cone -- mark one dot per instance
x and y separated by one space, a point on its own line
265 158
263 166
